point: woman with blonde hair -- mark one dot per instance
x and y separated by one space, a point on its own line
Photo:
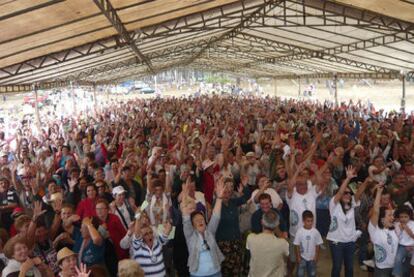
129 268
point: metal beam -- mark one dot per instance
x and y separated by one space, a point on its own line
341 75
45 86
357 14
108 10
245 22
114 43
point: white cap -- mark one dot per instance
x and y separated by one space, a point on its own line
250 154
118 190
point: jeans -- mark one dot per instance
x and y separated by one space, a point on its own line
218 274
307 268
383 272
402 262
342 253
323 220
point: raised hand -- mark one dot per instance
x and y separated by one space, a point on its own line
187 205
74 218
131 228
82 271
57 205
167 228
350 172
244 180
37 210
220 187
27 265
72 183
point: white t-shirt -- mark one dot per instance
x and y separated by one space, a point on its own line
276 200
299 203
381 177
342 227
405 239
308 239
125 214
385 245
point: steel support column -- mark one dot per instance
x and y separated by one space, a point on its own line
95 101
274 84
72 93
403 93
336 89
37 114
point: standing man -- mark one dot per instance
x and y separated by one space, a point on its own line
268 253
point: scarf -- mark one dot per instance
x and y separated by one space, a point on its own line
164 209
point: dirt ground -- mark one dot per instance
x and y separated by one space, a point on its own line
383 94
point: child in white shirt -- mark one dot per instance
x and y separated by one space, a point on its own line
405 233
307 241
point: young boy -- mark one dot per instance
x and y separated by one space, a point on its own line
307 241
405 232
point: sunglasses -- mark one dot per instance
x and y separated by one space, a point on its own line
348 192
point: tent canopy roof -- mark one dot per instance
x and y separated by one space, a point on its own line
104 41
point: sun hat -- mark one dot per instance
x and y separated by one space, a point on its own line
64 253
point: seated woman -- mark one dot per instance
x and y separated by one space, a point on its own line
205 256
20 264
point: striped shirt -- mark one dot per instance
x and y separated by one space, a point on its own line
151 260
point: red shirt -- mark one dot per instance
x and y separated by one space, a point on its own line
208 186
116 233
86 208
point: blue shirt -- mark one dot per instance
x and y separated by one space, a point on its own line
205 263
92 254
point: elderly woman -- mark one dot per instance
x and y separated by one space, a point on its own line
228 233
20 264
147 248
205 256
129 268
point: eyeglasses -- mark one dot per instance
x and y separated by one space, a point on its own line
347 192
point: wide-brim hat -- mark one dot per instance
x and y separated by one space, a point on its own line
64 253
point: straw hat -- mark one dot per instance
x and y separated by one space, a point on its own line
64 253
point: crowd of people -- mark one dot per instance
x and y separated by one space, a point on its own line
209 186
